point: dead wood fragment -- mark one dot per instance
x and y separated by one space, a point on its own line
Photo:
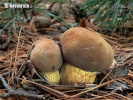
52 91
12 92
4 45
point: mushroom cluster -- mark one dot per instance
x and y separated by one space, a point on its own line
85 52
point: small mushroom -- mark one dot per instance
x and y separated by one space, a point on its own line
71 74
46 57
86 50
42 21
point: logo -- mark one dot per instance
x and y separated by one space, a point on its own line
9 5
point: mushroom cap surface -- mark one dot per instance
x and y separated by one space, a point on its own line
86 49
46 55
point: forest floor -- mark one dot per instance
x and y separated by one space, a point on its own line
114 84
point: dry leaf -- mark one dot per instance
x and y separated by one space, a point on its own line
85 23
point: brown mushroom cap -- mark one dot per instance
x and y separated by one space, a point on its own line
42 21
46 55
86 49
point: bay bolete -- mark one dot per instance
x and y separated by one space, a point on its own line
46 57
85 53
86 50
42 21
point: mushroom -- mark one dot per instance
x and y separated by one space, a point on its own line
42 21
46 57
71 74
85 53
86 49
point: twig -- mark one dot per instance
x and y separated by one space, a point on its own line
106 75
22 68
111 95
12 92
29 33
6 73
48 89
29 52
5 84
20 71
17 49
3 46
15 62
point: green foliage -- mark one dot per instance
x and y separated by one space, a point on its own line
60 20
109 14
16 17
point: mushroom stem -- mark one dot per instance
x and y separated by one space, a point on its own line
52 77
71 74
